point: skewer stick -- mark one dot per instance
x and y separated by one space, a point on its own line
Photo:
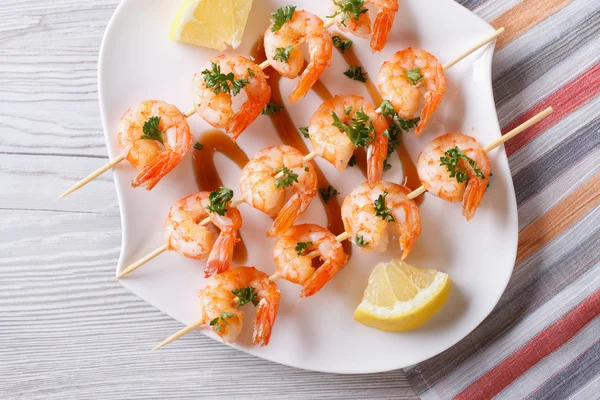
142 261
476 46
534 120
93 175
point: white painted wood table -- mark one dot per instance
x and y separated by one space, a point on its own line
66 330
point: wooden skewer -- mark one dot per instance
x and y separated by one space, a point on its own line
142 261
476 46
93 175
200 322
534 120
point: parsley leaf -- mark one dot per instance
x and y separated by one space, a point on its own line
288 178
360 130
414 75
250 72
151 131
360 241
198 146
341 44
282 53
219 82
304 131
381 210
394 133
216 322
271 109
219 199
387 109
246 295
301 247
450 160
327 193
348 9
281 16
356 73
352 161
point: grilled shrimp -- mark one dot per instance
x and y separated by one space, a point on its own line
170 139
293 264
360 25
220 310
409 77
366 213
214 104
184 234
304 27
261 190
341 124
436 176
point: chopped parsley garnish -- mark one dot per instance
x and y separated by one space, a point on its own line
360 241
356 73
216 322
450 160
304 131
219 199
301 247
198 146
250 73
341 44
348 9
283 53
387 109
381 210
360 130
219 82
272 108
151 131
246 295
281 16
288 178
347 110
352 161
414 75
394 133
327 193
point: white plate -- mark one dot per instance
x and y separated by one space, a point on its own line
138 62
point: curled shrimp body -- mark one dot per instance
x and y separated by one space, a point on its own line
361 25
304 27
153 159
368 227
294 265
335 145
184 234
435 177
216 108
395 85
261 190
220 309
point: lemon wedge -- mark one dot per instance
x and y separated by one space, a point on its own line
400 297
211 23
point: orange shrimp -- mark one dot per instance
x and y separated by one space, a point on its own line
184 234
221 311
303 27
428 82
436 177
293 264
261 190
215 105
156 156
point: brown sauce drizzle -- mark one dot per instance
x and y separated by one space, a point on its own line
408 166
289 134
207 177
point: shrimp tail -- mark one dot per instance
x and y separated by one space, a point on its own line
432 101
245 116
381 29
289 214
157 169
309 77
219 259
322 275
375 159
473 195
265 319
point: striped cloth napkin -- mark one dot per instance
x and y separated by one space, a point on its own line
543 339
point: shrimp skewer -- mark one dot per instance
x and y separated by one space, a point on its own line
186 236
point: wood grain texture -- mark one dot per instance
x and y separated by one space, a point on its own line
66 330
